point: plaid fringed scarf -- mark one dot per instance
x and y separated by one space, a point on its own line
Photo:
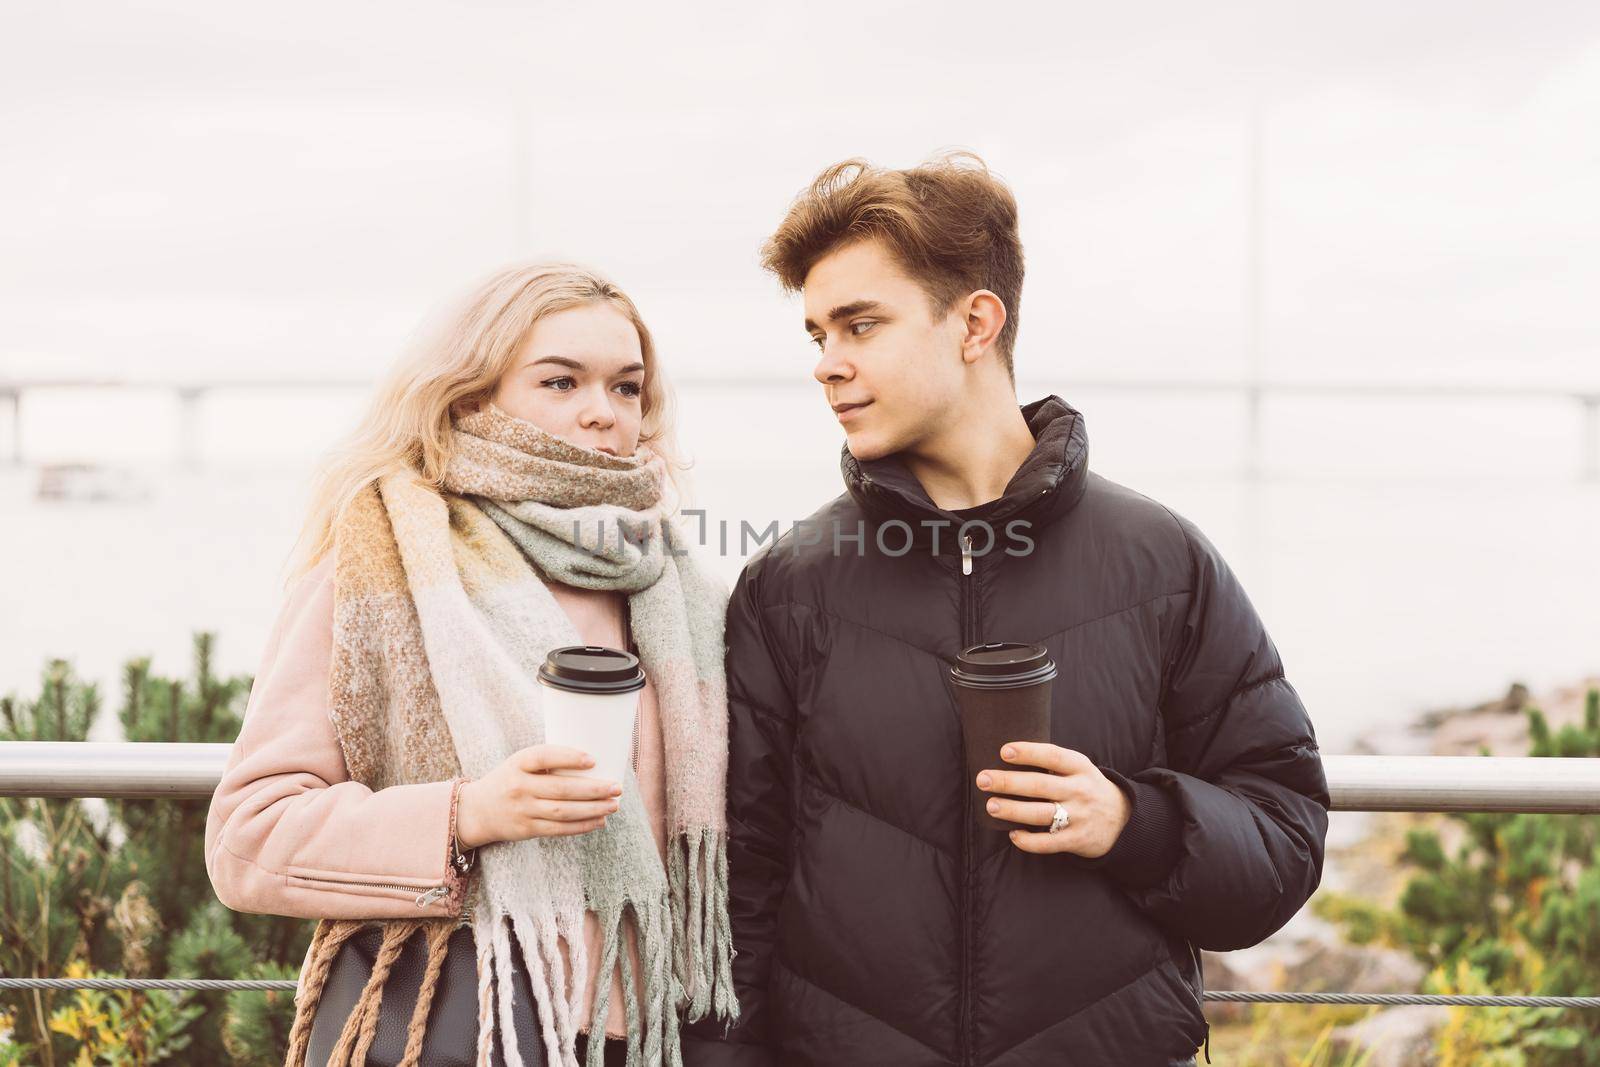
441 621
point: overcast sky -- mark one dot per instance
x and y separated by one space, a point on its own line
249 190
243 190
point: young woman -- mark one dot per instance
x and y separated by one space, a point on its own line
391 778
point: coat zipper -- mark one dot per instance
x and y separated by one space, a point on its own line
426 897
969 637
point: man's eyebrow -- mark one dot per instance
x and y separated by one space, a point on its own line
844 311
575 365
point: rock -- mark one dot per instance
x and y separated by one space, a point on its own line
1395 1037
1219 975
1512 703
1500 725
1341 968
1503 735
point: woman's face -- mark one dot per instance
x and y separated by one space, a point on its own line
580 376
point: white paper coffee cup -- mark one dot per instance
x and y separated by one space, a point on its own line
590 703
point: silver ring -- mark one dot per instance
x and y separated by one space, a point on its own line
1060 818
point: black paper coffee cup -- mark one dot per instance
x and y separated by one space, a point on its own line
1003 692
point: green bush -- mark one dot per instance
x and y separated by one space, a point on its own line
120 889
1515 908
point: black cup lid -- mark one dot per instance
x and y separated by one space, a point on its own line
592 669
1003 665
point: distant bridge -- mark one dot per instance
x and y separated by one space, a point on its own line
192 392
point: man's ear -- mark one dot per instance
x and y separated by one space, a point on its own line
983 315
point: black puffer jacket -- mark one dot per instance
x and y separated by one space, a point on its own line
873 923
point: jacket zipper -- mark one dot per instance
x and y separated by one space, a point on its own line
969 637
1199 969
426 897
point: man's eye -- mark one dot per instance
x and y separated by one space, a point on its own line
859 328
817 340
551 383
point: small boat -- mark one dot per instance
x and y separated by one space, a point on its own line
90 483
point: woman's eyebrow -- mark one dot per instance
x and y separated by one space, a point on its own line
562 361
573 364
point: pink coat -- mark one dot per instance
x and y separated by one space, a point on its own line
288 832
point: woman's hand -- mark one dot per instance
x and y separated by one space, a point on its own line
1097 807
521 799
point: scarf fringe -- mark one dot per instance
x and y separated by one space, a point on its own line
652 1026
685 953
685 947
702 940
500 949
610 925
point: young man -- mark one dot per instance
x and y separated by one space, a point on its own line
875 921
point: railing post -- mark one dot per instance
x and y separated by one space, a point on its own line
1589 463
13 393
1252 456
189 426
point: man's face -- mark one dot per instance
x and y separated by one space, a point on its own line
882 349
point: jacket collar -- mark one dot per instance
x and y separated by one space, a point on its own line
1049 483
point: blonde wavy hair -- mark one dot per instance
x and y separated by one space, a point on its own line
454 370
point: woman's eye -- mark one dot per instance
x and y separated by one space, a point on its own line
551 383
630 389
859 328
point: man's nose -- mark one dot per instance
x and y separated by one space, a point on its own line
830 368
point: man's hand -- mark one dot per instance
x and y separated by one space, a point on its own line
1097 807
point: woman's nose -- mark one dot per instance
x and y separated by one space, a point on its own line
597 414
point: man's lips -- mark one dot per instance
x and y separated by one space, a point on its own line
845 411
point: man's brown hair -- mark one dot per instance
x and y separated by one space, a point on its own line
949 223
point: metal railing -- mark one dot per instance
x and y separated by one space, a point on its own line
191 771
191 392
